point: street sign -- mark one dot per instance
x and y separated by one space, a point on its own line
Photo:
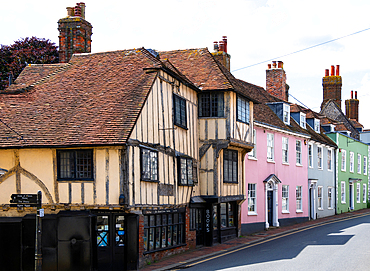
24 199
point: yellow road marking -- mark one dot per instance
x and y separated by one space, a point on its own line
272 238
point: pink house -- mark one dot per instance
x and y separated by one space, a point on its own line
276 170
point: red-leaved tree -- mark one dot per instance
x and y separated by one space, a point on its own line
13 58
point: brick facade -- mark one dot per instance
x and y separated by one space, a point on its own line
74 34
276 81
352 107
151 257
332 87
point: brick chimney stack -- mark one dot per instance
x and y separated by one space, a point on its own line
220 52
352 107
332 86
276 80
74 33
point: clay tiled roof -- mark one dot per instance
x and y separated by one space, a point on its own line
94 99
263 114
356 124
201 68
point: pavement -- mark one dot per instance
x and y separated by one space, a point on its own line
178 260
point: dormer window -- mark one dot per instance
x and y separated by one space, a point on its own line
317 125
286 114
302 120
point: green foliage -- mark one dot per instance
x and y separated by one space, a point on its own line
13 58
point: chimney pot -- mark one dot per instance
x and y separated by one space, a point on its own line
70 11
337 71
356 95
224 39
222 46
326 72
215 46
269 66
280 64
332 70
351 94
274 64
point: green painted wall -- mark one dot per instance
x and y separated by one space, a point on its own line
350 176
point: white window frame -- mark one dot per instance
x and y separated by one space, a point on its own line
359 163
319 157
343 192
253 153
270 147
358 193
351 162
364 193
317 125
365 165
343 161
286 114
302 120
252 198
285 197
310 155
319 198
298 152
298 196
330 197
285 150
330 159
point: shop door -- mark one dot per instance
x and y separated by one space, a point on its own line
351 198
110 240
199 226
269 207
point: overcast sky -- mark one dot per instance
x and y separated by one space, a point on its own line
257 30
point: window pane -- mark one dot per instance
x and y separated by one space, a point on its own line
231 215
223 215
102 224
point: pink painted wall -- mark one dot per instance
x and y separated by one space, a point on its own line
257 170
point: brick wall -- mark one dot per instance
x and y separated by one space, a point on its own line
74 37
276 81
190 239
332 89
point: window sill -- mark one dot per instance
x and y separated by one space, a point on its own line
285 212
252 158
285 164
299 165
252 213
320 209
299 211
74 180
320 168
231 182
181 126
164 248
271 161
343 202
149 181
330 208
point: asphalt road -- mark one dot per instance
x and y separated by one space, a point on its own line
342 245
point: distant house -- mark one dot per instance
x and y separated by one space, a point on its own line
321 164
276 169
352 154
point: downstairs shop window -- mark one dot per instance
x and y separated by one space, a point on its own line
162 231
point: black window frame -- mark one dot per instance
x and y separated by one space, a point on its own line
228 216
211 104
152 170
242 116
189 166
226 166
168 223
77 159
179 111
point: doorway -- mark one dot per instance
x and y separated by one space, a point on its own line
270 209
111 240
351 198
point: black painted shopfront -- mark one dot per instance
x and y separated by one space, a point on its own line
71 240
216 218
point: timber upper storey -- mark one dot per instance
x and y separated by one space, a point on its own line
95 99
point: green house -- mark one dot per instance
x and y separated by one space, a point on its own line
352 173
